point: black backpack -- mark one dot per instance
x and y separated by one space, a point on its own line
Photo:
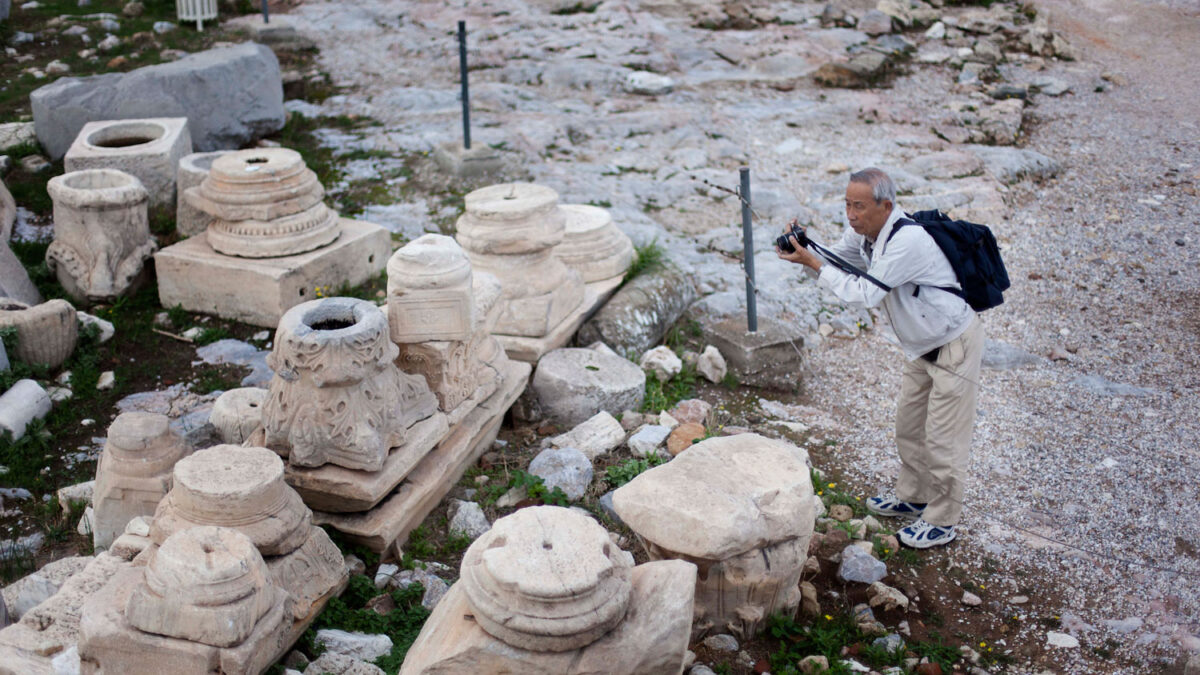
972 252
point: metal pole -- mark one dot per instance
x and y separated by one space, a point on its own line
462 67
266 15
748 250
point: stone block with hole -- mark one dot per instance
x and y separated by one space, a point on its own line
149 149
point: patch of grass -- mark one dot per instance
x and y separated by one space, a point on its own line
418 543
730 381
577 8
829 634
603 203
533 485
682 333
626 471
178 316
211 334
216 379
664 395
646 257
350 613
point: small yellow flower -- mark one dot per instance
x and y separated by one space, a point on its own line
982 586
833 485
820 492
828 618
858 499
982 644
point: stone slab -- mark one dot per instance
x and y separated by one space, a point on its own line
390 523
258 291
338 489
652 638
530 349
230 95
29 646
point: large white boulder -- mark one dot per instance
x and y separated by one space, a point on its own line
722 497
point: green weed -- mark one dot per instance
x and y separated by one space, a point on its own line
350 613
664 395
646 258
626 471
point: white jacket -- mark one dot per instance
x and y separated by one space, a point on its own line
922 316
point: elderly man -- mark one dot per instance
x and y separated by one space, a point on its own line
941 337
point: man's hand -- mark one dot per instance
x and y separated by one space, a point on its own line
801 255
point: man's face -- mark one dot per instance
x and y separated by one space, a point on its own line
866 216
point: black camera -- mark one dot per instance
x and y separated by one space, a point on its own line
784 241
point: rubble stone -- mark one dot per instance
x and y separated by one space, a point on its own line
599 434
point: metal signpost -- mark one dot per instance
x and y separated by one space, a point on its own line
748 250
462 67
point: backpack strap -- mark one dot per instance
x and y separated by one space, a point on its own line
917 291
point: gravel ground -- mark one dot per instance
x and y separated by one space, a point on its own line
1094 481
1085 462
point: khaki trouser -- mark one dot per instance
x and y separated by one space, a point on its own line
934 420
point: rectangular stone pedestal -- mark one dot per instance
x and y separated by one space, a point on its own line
391 521
769 357
258 291
531 349
336 488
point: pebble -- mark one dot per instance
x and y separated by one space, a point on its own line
721 643
970 599
106 380
1063 640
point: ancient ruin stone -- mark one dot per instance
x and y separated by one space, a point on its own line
46 333
265 203
336 396
134 472
510 230
454 363
52 627
237 413
101 233
430 291
740 507
204 584
22 403
652 638
547 579
193 169
236 487
592 245
149 149
574 384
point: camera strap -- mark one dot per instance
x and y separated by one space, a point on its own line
845 265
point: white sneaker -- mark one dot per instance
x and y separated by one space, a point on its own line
923 535
892 507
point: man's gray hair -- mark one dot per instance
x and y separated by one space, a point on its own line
882 187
